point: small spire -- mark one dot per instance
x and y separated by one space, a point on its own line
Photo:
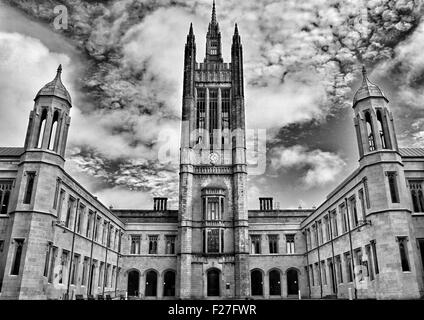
213 12
236 30
364 71
59 70
191 29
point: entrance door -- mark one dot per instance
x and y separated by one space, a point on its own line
151 284
133 283
292 282
169 284
274 283
213 283
256 283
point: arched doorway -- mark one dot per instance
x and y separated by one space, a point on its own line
169 284
213 282
151 284
274 283
256 283
292 282
133 283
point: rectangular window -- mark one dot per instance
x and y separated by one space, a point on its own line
52 264
68 219
97 229
74 269
273 243
213 240
5 189
339 268
394 194
47 260
348 264
369 264
353 211
225 97
105 232
60 205
153 244
290 243
107 275
201 112
85 271
357 256
343 213
135 244
29 186
308 238
89 224
255 241
317 273
80 218
416 189
101 274
213 114
333 215
311 270
19 244
374 256
367 195
63 271
213 208
403 250
362 201
327 228
170 244
1 246
324 273
56 193
320 235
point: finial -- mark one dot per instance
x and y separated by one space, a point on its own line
213 12
59 70
364 70
236 29
191 29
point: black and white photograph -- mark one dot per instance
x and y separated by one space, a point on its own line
213 156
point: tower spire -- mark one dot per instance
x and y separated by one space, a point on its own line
213 13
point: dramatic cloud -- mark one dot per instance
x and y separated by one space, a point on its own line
317 167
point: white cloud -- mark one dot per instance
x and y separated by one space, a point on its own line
318 167
120 197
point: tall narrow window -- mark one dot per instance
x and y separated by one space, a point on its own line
42 128
319 230
311 270
201 111
339 268
47 260
370 131
213 208
353 211
255 244
362 201
135 244
213 114
52 264
63 271
5 188
374 256
19 244
394 194
225 115
273 243
349 268
416 188
97 229
89 224
343 213
334 225
381 130
327 228
53 132
153 244
213 240
369 263
357 255
74 269
170 244
80 218
85 271
71 202
403 250
324 273
290 243
29 187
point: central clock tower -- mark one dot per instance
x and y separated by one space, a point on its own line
213 221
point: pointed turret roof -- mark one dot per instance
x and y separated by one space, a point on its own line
55 88
367 89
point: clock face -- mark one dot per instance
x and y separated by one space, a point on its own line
213 157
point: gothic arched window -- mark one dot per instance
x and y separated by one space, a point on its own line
382 131
42 128
370 131
54 132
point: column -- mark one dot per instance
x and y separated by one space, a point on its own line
207 118
47 129
218 138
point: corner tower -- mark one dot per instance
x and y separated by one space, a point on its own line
213 221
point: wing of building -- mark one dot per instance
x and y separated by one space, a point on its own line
365 241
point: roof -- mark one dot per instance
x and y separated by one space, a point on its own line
367 89
55 88
411 152
11 151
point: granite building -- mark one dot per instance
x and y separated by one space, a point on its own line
58 241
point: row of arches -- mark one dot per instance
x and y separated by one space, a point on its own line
383 131
151 283
274 282
213 282
53 131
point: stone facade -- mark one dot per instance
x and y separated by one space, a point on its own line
365 241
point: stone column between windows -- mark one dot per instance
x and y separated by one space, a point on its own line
219 122
265 285
364 133
207 117
159 286
194 120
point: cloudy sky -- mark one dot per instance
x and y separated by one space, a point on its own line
123 63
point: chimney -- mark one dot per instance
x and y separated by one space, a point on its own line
265 204
159 204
